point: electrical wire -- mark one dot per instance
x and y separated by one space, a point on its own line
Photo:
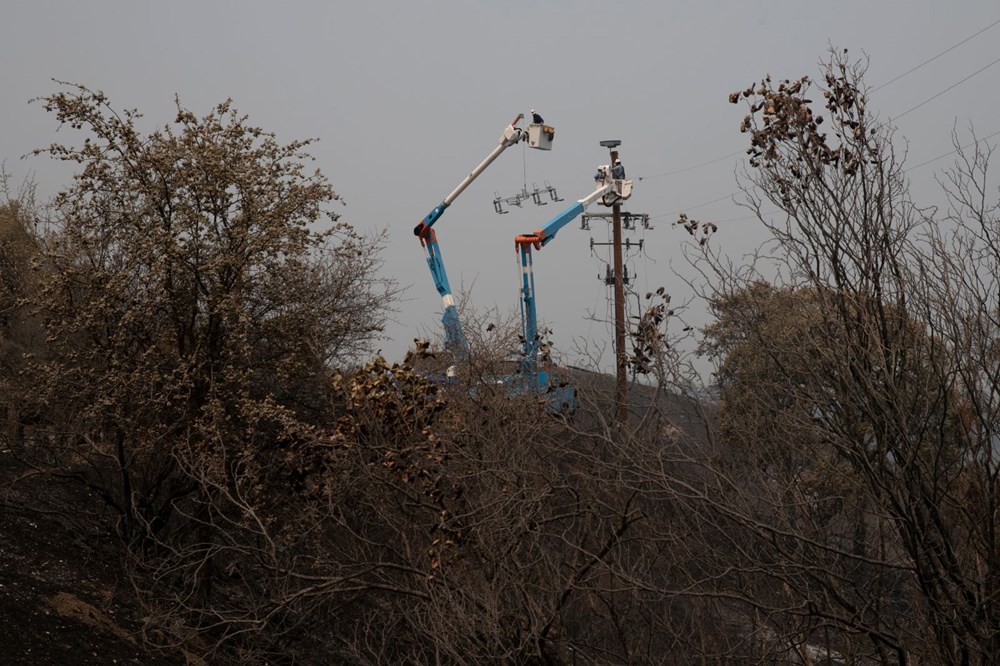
631 288
524 166
695 166
954 85
879 87
953 151
932 59
645 262
914 108
593 316
701 205
908 170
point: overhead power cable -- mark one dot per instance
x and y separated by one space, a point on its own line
701 205
934 97
694 166
953 151
933 58
879 87
894 118
907 170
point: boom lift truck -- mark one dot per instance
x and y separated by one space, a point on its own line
612 188
538 136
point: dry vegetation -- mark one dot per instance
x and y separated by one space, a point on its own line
184 400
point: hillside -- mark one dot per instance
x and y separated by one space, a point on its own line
63 598
64 594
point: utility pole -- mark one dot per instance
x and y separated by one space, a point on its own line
621 394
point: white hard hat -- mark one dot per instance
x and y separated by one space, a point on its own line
532 110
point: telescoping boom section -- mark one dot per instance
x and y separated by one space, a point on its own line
609 191
454 339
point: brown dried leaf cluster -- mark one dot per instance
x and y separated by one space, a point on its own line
782 116
691 225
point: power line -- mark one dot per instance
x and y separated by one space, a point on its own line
912 168
894 118
701 205
879 87
952 152
932 59
694 166
932 98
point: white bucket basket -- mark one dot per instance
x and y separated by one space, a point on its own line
540 136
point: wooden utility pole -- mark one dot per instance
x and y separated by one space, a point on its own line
621 394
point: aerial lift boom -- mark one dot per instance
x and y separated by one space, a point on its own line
538 136
610 190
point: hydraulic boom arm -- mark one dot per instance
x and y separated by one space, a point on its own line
611 189
529 313
454 339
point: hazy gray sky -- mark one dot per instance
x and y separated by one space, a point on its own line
407 97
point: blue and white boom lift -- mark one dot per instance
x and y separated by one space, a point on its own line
538 136
610 190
